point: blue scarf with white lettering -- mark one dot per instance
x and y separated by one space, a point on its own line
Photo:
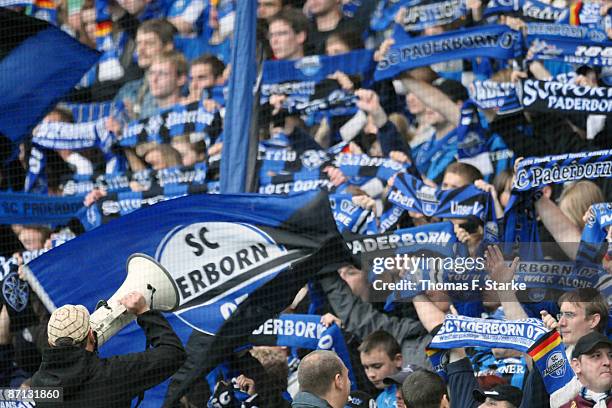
421 16
536 172
500 96
461 331
298 78
385 12
512 369
306 332
546 96
466 202
568 43
438 235
26 208
493 41
528 10
351 217
280 165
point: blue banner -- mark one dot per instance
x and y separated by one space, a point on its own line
493 41
411 194
24 208
569 43
305 82
204 241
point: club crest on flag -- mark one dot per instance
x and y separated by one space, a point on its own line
555 365
210 260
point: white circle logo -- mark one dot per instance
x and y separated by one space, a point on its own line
211 260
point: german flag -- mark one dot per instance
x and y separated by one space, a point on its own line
103 28
549 358
574 15
39 64
45 4
545 345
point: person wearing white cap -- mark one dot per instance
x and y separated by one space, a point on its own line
72 362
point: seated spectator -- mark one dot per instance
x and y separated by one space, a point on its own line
381 357
425 389
323 381
591 361
582 311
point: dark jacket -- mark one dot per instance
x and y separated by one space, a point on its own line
361 319
308 400
91 381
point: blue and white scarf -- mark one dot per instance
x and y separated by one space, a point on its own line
421 16
462 331
351 217
306 332
529 10
298 78
439 234
109 66
536 172
500 96
466 202
546 96
192 120
385 12
115 205
570 44
493 41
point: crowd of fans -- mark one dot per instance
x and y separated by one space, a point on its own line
164 67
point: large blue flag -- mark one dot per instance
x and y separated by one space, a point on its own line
39 64
222 251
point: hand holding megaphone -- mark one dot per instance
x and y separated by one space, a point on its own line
135 303
148 286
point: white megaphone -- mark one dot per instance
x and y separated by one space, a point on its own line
144 275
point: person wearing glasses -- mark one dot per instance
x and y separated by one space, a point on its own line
582 311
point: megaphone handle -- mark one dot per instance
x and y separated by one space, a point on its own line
152 290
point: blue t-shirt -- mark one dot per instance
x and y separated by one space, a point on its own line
387 399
